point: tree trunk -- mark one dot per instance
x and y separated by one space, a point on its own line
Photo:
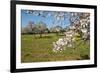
41 34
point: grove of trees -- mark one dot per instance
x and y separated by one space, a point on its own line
77 19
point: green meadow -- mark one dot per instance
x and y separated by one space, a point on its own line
36 49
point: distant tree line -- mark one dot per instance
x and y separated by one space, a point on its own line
41 28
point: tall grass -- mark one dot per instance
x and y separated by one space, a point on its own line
36 49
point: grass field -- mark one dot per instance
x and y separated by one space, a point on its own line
36 49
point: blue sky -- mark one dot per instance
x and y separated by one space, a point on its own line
50 21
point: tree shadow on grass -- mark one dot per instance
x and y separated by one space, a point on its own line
44 37
85 57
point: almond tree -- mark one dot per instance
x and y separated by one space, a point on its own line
41 27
